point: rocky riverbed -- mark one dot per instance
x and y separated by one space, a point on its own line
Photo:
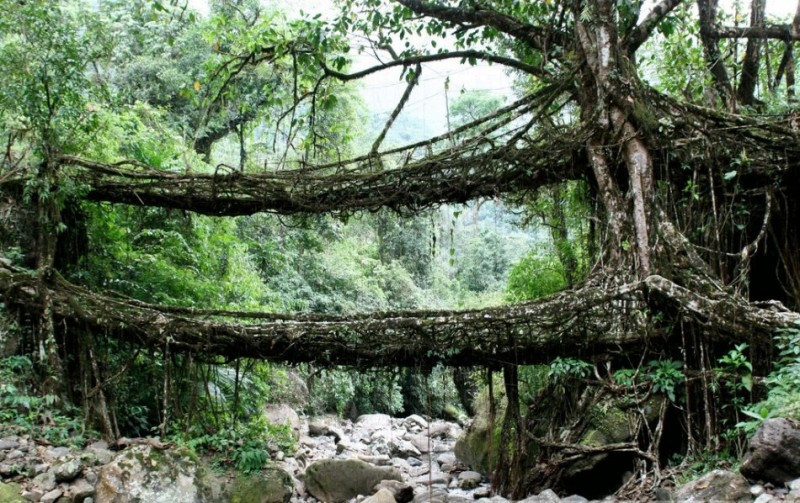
374 459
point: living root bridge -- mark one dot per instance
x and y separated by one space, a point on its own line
438 179
580 323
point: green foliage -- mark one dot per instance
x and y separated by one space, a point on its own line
665 376
22 408
472 105
563 369
662 376
783 384
245 446
485 262
346 392
535 276
45 50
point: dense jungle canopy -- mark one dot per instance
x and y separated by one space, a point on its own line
657 144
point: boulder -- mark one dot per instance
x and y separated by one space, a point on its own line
272 485
716 485
546 496
45 482
320 426
420 442
282 414
472 447
434 495
338 480
68 470
101 452
52 496
415 420
382 496
440 429
469 480
142 473
79 490
402 492
374 422
773 454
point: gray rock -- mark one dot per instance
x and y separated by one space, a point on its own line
446 458
338 480
400 464
757 490
574 498
68 470
404 448
494 499
45 482
794 485
79 490
282 414
32 495
15 454
55 453
434 495
8 469
324 426
441 429
402 492
765 498
374 422
102 455
420 442
469 480
717 485
432 477
380 460
546 496
773 454
417 420
382 496
8 443
51 496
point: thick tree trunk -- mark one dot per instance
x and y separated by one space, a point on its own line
47 215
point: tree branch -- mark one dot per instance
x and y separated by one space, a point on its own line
774 31
397 109
644 29
427 58
747 83
534 36
708 25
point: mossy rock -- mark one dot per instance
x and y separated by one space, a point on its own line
338 480
472 448
270 486
10 493
142 473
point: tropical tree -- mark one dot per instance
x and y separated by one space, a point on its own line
686 189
